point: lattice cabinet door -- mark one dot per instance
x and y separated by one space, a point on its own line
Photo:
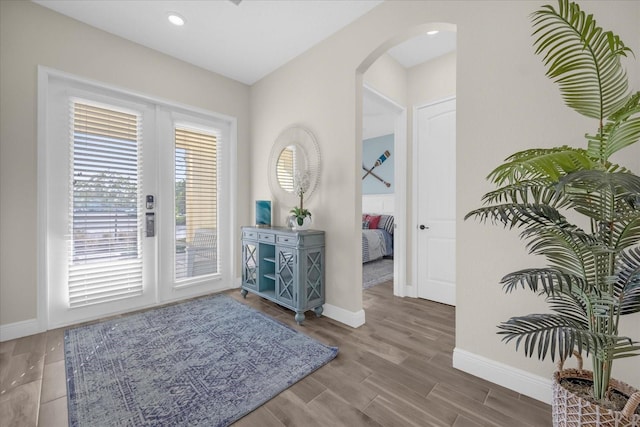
312 277
250 265
286 274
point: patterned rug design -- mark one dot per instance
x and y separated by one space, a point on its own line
206 362
376 272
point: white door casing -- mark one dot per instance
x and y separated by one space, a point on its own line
435 201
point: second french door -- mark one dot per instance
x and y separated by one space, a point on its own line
194 240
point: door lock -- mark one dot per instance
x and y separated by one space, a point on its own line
423 227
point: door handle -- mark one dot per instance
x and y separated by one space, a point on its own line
423 227
150 224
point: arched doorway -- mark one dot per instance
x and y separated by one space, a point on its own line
406 198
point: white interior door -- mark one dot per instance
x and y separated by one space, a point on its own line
435 236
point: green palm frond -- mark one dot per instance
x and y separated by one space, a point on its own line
548 232
625 234
535 191
621 130
550 334
600 195
521 215
625 347
582 58
627 286
557 335
547 165
569 249
574 306
549 281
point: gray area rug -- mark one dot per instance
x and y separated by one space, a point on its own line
376 272
206 362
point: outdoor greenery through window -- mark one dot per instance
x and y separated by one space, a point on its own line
196 202
105 261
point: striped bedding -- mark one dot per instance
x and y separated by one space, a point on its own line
376 244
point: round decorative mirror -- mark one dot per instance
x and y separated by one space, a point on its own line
294 160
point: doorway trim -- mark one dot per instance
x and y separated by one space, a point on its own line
400 182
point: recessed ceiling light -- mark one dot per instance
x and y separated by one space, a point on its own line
175 19
432 33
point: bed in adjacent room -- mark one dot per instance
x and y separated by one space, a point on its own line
377 237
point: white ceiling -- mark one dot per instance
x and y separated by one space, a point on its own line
422 48
244 42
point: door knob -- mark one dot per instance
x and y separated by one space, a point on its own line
423 227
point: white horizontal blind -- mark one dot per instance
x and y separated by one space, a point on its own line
105 260
285 169
196 202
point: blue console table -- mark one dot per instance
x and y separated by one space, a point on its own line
284 266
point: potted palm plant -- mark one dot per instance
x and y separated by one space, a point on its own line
592 277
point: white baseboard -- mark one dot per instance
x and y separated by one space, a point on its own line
523 382
25 328
30 327
349 318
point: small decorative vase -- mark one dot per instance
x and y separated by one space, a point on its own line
306 223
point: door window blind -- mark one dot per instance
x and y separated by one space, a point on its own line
196 202
105 260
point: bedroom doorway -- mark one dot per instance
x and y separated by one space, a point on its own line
383 142
415 72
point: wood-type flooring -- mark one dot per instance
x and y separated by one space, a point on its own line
393 371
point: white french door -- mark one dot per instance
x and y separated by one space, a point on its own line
194 244
133 196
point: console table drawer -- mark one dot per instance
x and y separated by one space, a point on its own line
267 237
249 235
290 240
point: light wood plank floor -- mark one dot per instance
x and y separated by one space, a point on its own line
393 371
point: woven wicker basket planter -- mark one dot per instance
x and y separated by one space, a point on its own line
570 410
